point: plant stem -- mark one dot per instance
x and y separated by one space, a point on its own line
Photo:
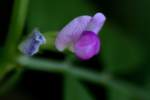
98 78
61 67
10 83
15 29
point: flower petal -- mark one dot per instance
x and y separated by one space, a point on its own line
38 36
96 23
71 33
31 45
87 46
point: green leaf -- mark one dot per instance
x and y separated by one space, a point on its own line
74 90
120 53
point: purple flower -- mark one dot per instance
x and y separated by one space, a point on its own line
80 36
31 45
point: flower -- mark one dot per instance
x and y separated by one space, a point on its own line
31 45
87 46
80 36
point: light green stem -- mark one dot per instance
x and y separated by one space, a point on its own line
15 29
98 78
18 17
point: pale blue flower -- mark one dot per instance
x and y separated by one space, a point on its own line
31 45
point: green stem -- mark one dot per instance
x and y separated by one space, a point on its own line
15 29
98 78
61 67
11 82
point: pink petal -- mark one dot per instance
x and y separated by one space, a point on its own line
96 23
87 46
71 32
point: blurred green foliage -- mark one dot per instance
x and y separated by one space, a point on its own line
124 52
121 54
51 15
74 90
